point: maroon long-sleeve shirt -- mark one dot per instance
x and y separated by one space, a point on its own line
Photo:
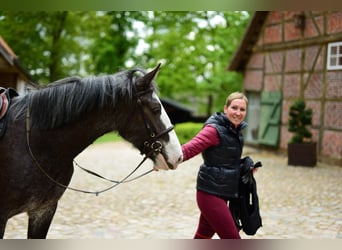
206 138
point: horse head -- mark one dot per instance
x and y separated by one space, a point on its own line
149 123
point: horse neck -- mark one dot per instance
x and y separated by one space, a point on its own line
80 134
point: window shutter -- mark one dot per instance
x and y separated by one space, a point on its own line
270 115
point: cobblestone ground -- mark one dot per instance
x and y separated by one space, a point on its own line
295 202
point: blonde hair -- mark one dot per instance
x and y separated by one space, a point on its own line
235 95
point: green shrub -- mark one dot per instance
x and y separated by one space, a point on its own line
185 131
109 137
300 118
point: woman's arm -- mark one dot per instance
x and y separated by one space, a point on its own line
206 138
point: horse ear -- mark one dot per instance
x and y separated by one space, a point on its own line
146 80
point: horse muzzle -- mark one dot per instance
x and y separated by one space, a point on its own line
161 163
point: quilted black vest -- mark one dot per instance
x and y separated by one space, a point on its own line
220 172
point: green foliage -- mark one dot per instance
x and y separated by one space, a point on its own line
185 131
44 41
111 47
194 48
57 44
300 119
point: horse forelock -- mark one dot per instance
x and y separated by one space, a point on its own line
66 100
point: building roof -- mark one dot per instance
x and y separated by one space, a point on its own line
178 113
10 61
6 51
175 104
244 51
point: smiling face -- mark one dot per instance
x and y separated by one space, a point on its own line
235 110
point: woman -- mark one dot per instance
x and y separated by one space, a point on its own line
221 143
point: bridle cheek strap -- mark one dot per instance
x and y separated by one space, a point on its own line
151 146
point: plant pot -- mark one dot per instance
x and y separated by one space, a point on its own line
302 154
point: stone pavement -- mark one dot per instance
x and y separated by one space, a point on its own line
295 202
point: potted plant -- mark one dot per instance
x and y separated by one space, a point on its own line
301 149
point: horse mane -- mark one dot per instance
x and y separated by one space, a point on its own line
65 100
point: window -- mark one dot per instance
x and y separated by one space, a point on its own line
334 56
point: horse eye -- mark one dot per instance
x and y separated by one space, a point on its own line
156 109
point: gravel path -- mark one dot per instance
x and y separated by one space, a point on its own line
295 202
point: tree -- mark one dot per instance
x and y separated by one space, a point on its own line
195 48
111 45
42 40
57 44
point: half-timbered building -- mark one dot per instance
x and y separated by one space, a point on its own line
289 55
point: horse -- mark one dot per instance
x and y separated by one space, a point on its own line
49 126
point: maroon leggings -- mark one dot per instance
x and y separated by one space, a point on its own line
215 218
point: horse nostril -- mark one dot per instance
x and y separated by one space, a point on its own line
170 165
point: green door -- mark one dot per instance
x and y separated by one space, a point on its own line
270 116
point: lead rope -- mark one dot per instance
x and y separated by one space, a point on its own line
110 180
116 183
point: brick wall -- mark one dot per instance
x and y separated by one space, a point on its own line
293 61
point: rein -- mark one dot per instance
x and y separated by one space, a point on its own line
151 146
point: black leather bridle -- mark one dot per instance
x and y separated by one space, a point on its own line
151 146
